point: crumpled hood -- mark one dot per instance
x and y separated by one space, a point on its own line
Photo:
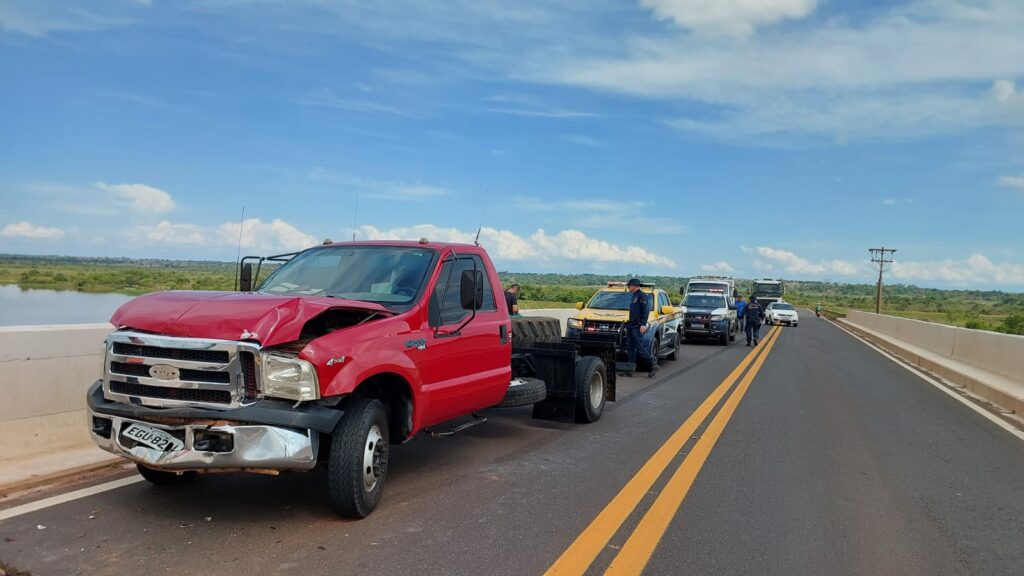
266 318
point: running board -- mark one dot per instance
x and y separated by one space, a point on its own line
477 419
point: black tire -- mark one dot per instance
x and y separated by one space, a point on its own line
732 336
591 379
674 354
165 478
354 484
526 391
724 338
644 365
528 330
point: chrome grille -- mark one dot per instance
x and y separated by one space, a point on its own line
189 371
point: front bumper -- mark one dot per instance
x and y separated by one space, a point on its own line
706 330
268 435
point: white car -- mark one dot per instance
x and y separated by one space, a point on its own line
781 313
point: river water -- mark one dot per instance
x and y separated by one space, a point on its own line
34 307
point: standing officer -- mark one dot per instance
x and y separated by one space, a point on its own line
636 327
741 307
753 315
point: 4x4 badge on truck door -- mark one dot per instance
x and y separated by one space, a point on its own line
417 343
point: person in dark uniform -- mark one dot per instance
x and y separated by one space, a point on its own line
753 316
636 327
512 299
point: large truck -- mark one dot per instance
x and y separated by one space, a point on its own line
768 291
711 284
341 352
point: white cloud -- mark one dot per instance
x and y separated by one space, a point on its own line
1016 182
895 201
719 267
505 245
171 234
531 106
26 229
976 270
732 16
604 214
325 98
794 264
139 197
40 18
902 72
274 235
1004 90
575 245
382 189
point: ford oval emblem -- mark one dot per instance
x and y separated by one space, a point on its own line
164 372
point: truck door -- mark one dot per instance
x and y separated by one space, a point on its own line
463 369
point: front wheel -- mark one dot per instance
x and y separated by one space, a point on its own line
590 389
358 464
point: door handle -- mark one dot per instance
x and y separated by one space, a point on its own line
503 334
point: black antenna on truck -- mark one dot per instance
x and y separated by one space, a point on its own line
355 216
238 255
483 208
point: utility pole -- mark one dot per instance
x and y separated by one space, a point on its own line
878 257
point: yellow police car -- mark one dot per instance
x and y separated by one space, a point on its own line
604 316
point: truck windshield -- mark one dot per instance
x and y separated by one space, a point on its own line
616 301
782 307
773 289
392 276
704 301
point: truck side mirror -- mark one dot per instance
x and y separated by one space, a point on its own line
245 278
682 290
471 289
579 305
666 310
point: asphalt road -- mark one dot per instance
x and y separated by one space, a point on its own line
827 458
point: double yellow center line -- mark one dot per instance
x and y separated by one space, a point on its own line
640 545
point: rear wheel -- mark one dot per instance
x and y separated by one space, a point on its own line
736 330
358 464
590 389
165 478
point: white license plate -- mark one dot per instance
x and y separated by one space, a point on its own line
154 438
696 325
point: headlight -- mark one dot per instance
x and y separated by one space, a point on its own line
717 317
574 323
289 377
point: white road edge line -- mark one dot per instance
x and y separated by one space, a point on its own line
68 497
963 399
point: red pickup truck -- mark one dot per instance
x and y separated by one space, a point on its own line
341 352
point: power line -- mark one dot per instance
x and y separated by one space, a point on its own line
879 259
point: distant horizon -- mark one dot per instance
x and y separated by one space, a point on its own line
505 272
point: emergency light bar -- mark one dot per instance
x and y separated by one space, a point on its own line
619 284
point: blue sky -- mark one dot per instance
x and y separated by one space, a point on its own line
767 137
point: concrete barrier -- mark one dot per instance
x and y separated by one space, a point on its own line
987 363
44 374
